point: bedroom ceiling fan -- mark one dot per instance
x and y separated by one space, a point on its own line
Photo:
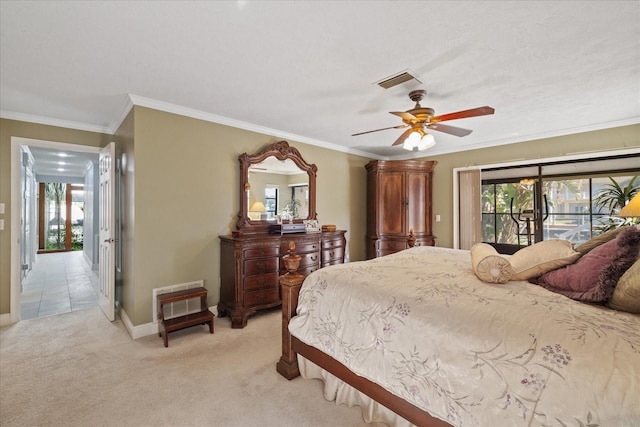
420 118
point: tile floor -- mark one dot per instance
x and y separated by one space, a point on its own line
58 283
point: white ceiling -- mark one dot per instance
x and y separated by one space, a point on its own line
306 70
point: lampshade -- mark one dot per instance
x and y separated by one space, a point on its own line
258 207
418 139
632 209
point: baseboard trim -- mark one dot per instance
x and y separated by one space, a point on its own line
146 329
5 319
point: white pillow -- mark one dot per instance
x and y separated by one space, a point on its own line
488 265
542 257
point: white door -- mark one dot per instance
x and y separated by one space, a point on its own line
107 230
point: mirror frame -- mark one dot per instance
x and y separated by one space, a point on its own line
281 151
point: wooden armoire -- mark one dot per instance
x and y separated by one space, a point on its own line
398 200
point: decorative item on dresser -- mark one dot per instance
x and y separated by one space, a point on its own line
251 257
399 199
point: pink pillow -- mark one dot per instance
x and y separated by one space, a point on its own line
593 277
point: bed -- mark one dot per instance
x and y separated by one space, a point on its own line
415 338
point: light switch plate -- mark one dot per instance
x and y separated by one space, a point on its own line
1 208
1 224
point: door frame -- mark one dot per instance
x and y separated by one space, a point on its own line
16 206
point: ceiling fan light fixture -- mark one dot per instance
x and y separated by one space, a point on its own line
412 140
426 142
419 139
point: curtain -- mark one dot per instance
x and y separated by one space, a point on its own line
470 215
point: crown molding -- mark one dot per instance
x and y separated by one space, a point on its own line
214 118
10 115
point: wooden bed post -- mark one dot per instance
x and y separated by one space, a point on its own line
411 240
290 284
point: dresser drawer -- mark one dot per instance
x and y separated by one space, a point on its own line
335 243
391 246
260 266
300 247
252 283
425 242
329 255
305 271
262 297
331 262
306 260
260 252
309 258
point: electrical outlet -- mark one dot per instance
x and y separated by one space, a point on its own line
1 208
437 218
1 224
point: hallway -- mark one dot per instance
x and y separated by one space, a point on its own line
58 283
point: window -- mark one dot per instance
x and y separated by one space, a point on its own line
522 211
271 201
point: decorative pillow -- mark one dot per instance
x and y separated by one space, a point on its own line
626 295
598 240
593 278
541 257
488 265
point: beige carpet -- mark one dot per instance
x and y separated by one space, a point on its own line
78 369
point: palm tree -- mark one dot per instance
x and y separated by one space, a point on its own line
612 197
55 191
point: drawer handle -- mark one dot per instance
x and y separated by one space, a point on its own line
262 281
314 257
331 253
260 297
261 266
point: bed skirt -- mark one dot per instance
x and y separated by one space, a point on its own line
343 394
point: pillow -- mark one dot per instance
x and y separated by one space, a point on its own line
598 240
488 265
593 278
541 257
626 295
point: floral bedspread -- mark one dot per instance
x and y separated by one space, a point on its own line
421 324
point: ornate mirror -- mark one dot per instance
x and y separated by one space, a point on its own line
276 184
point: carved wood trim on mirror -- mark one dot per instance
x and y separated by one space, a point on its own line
280 151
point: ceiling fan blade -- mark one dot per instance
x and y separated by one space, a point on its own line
449 129
377 130
474 112
405 116
402 137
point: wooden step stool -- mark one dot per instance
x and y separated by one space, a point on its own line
204 316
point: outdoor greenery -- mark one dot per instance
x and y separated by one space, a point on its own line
56 233
55 192
497 199
611 198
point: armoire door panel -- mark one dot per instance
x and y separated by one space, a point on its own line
417 208
392 206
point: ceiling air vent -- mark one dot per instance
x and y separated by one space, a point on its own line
397 79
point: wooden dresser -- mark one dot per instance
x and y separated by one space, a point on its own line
398 200
250 266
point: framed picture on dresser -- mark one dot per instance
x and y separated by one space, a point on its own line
311 225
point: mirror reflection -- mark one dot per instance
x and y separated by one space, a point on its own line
279 190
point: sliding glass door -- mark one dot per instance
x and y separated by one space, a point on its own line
518 212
